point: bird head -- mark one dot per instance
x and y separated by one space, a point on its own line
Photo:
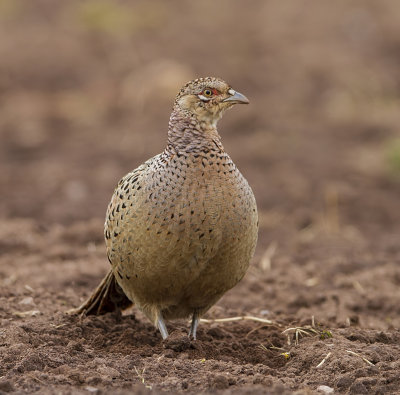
208 98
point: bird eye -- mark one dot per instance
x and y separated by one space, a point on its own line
207 92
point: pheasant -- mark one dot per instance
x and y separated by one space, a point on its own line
180 229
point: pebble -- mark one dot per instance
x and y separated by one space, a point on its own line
27 300
325 389
91 389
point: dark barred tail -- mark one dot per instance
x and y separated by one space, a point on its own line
107 297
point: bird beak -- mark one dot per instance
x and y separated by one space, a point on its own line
236 97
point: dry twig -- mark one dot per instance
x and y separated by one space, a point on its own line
360 356
324 360
240 318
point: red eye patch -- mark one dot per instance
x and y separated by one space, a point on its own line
208 92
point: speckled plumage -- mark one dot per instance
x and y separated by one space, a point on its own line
181 228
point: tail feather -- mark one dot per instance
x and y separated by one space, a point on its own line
107 297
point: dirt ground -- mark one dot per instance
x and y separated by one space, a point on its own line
85 94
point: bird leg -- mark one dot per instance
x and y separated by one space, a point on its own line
194 325
161 326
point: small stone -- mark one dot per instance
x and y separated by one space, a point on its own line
27 300
91 389
325 389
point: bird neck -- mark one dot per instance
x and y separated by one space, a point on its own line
187 133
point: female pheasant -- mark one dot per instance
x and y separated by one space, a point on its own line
180 229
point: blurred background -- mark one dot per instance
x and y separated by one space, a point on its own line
86 89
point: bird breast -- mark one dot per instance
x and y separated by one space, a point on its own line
168 219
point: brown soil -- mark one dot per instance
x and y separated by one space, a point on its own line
85 92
